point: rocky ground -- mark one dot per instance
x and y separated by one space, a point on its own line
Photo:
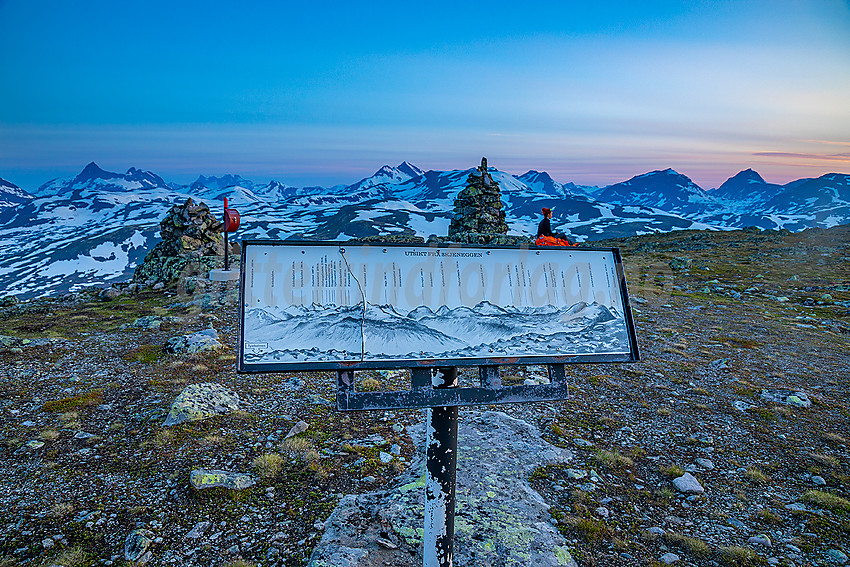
726 445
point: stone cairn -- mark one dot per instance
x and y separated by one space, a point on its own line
192 243
479 215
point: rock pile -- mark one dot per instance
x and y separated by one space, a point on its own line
479 215
189 230
191 242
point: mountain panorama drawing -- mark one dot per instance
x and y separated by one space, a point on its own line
329 334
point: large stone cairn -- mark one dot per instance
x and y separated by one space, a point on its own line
191 238
189 230
479 215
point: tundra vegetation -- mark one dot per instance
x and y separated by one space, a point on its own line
745 344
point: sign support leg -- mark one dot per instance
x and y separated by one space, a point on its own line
440 469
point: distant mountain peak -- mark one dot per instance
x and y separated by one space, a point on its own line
93 171
409 169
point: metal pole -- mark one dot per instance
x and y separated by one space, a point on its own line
440 468
226 243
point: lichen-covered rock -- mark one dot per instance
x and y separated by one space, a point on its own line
500 519
167 268
202 478
787 397
136 546
201 401
196 342
151 322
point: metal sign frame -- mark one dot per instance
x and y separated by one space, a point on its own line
631 356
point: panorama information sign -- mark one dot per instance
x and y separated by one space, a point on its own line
326 305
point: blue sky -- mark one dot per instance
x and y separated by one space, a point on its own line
327 93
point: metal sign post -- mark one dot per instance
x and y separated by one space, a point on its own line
346 307
231 224
440 474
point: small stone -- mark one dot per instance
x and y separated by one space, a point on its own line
385 457
705 463
760 539
233 549
398 428
818 481
28 423
656 530
395 449
687 483
741 405
670 558
602 512
34 444
587 487
83 435
369 479
838 556
47 543
297 429
720 363
576 474
136 546
579 442
386 544
197 531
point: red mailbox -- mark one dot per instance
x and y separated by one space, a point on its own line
231 220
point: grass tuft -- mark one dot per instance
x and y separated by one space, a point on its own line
827 500
92 398
268 465
613 460
692 545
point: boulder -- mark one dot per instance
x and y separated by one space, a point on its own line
201 401
196 342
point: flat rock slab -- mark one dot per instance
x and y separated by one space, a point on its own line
202 478
787 397
200 401
499 520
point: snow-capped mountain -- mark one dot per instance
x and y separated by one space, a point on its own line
95 228
666 190
746 188
92 177
11 195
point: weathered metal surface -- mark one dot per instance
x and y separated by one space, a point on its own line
424 396
440 475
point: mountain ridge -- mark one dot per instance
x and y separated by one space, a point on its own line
95 228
